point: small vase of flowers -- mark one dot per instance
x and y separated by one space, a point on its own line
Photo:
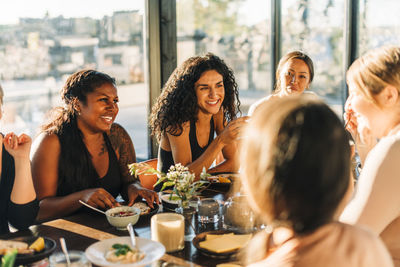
182 181
184 187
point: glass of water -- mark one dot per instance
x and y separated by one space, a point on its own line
208 210
77 259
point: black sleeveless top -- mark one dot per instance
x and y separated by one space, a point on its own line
111 182
18 215
165 158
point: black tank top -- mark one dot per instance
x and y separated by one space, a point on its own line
165 158
111 182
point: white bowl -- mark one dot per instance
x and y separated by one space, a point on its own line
122 222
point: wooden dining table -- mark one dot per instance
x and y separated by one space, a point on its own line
85 227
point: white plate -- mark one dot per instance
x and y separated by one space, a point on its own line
165 197
96 252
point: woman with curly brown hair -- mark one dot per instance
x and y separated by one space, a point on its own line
199 99
82 154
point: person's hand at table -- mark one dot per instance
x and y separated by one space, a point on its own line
99 198
135 190
232 131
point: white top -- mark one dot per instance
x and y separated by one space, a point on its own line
376 203
332 245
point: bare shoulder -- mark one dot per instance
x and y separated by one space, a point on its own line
185 132
46 141
45 146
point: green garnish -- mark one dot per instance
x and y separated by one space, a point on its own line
9 259
121 249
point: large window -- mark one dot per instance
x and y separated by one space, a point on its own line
237 31
379 24
46 41
316 27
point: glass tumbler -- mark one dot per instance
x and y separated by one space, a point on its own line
208 210
77 259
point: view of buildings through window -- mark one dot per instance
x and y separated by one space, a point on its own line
38 52
47 41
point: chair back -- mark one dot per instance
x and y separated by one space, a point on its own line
148 180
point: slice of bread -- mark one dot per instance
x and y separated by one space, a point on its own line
9 245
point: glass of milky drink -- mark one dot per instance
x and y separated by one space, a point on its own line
77 259
169 230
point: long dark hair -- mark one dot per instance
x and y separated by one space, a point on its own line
74 165
178 102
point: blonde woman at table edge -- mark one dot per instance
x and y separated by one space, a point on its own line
296 174
18 204
294 75
373 112
200 99
81 154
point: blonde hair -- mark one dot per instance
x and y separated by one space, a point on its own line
296 163
378 68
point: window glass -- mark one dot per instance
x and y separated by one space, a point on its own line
316 27
378 28
47 40
237 31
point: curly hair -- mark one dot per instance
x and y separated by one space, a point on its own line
178 102
74 162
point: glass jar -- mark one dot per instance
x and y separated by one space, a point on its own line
237 215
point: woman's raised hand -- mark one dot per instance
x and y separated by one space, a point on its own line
18 146
232 131
350 119
99 198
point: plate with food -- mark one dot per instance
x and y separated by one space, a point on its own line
30 248
145 211
118 252
220 243
222 180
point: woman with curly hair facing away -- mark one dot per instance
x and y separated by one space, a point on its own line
82 154
296 174
199 99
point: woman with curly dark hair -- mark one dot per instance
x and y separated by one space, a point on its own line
82 154
199 99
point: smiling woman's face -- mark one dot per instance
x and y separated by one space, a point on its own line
100 109
294 76
210 92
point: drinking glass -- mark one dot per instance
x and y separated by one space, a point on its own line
169 230
208 210
77 259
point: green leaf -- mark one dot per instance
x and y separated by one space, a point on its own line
9 259
169 184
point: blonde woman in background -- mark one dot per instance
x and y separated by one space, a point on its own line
296 172
294 75
373 112
18 205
